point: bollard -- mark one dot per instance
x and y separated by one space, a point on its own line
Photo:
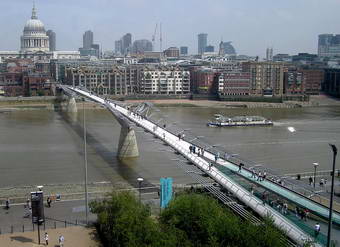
23 228
55 225
65 223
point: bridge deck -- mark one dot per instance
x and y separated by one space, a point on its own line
182 146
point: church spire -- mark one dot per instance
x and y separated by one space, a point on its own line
34 12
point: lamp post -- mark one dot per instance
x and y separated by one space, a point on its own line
315 166
335 152
85 164
140 180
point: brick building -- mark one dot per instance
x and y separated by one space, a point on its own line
266 78
233 83
203 80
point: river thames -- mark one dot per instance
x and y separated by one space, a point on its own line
46 147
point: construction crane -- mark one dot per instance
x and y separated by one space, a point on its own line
160 37
154 36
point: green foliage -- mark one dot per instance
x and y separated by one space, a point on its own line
123 221
189 220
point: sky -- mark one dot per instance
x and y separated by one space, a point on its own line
289 26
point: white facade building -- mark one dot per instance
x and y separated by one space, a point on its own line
165 81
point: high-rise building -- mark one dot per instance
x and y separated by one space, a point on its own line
118 46
202 39
269 54
88 39
329 45
126 43
184 50
53 40
142 45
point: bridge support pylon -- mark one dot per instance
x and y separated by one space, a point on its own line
127 147
71 105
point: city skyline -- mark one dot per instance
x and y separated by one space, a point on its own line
289 31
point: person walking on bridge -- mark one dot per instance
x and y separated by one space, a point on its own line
310 181
317 229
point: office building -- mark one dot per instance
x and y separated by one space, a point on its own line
140 46
329 45
209 48
118 46
202 42
53 40
183 50
87 39
126 43
269 54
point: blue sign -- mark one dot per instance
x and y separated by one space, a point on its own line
166 191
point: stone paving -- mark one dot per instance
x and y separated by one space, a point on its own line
74 236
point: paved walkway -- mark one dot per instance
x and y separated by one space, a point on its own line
74 237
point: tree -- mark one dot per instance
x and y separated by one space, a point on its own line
123 221
190 220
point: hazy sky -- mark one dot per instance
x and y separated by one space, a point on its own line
289 26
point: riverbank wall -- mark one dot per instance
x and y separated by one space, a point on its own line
57 103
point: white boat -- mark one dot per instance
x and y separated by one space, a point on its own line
221 121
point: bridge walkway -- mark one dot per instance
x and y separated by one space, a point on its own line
182 146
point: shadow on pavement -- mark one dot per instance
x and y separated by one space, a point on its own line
22 239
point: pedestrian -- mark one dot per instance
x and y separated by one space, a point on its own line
28 203
297 211
264 176
252 173
49 201
190 149
217 156
46 238
164 126
61 240
259 177
7 204
325 181
179 137
194 149
210 165
285 208
321 182
264 198
202 152
316 229
252 190
310 181
240 167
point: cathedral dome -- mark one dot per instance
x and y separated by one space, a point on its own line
34 24
34 37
